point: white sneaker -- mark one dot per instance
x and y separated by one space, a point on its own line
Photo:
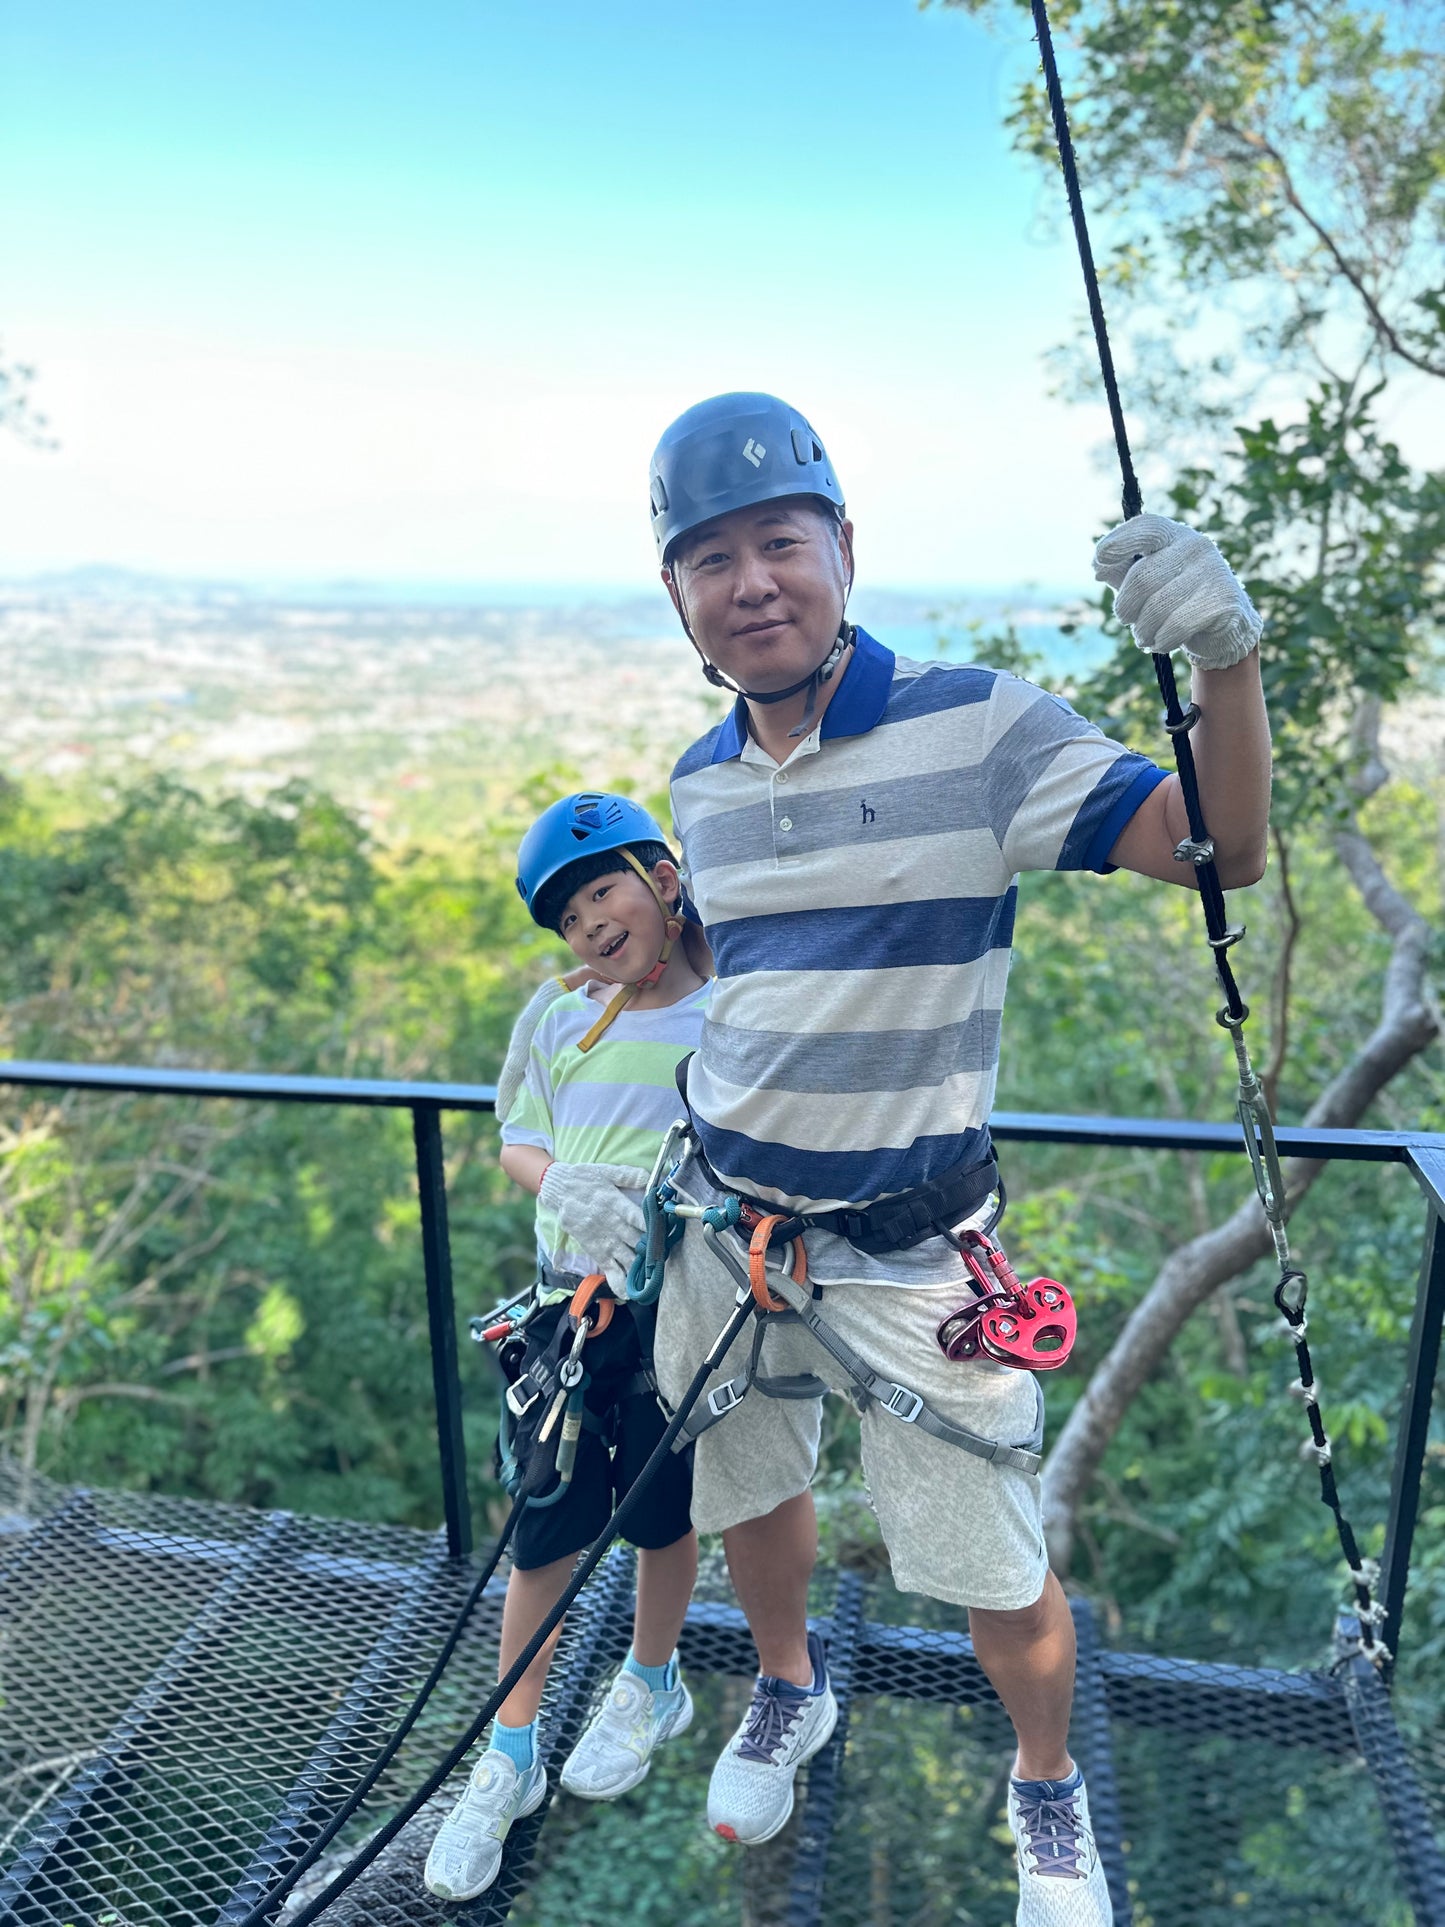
466 1854
1061 1878
615 1753
751 1794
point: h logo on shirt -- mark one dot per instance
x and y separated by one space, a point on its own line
868 815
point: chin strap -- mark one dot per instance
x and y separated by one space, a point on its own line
812 682
671 931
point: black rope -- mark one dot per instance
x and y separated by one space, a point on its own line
1254 1116
1177 720
393 1745
448 1765
1133 499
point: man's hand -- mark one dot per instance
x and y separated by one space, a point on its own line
591 1203
1176 591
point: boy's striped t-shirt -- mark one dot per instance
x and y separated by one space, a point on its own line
860 902
612 1104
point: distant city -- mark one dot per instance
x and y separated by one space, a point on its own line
424 707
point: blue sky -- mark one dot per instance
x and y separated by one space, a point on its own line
409 291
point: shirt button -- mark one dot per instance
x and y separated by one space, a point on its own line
785 822
781 777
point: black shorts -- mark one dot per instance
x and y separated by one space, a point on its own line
607 1460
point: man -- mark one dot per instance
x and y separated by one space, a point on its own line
852 834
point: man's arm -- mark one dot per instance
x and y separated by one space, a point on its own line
1232 756
1176 591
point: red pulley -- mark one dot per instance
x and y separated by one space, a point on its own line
1036 1331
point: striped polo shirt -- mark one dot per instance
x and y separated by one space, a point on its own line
613 1104
860 901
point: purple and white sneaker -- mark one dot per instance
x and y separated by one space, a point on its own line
1061 1878
751 1794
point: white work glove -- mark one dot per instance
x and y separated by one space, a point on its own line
591 1204
1179 593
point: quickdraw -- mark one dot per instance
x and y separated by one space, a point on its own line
1032 1326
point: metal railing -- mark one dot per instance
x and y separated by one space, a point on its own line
1333 1713
1422 1154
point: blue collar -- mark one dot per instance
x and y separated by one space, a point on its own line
857 705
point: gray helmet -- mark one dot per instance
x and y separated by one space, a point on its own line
728 453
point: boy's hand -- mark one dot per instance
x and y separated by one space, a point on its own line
581 975
1176 591
591 1203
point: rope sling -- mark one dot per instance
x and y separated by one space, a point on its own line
1253 1110
1252 1105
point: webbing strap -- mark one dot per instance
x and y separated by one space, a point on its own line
910 1407
722 1398
899 1401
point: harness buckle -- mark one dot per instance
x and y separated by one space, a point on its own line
518 1405
903 1404
723 1398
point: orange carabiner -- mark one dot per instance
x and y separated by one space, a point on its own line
586 1297
758 1258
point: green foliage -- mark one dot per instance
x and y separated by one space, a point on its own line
1283 164
228 1299
1340 544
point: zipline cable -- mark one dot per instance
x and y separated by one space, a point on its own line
264 1908
1198 848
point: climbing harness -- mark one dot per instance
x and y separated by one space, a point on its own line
782 1294
1252 1105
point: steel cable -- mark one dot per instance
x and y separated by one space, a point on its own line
1252 1103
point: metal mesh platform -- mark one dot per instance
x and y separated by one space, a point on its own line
188 1691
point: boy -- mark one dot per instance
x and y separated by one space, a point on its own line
595 1100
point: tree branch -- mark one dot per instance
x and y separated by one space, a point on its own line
1382 327
1408 1022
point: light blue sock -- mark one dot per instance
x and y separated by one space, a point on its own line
660 1679
519 1743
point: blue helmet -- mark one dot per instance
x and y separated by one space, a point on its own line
578 826
728 453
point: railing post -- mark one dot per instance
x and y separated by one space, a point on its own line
1421 1367
431 1184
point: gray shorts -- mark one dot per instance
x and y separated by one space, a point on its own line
956 1526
